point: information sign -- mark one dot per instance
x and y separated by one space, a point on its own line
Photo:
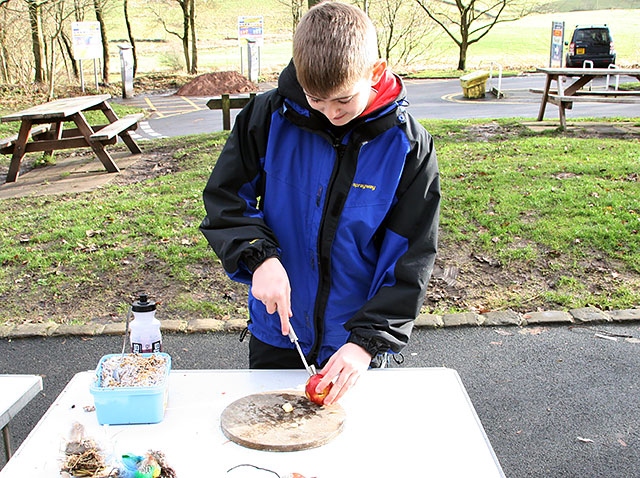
557 44
86 40
250 29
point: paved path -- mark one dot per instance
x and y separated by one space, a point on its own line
174 115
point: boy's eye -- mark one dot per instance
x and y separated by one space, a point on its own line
345 101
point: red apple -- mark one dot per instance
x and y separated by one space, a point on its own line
310 389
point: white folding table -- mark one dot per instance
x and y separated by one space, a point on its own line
404 422
15 392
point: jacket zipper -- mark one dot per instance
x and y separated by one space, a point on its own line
324 255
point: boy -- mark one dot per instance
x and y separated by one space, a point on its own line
325 199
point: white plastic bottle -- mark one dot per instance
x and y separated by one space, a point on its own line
145 333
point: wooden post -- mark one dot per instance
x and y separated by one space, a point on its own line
226 112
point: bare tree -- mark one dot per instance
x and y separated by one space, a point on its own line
98 6
187 35
37 39
296 11
4 63
130 35
401 30
468 21
194 37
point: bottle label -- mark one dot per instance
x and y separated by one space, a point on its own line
137 348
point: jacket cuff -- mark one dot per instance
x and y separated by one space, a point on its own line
372 345
257 253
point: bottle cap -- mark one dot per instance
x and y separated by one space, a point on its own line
143 304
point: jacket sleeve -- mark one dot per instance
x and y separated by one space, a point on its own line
234 223
409 245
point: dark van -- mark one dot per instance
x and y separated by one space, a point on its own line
591 44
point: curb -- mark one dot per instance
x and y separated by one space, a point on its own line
581 316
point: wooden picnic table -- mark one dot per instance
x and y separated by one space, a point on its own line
565 95
43 124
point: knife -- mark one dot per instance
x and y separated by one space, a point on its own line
294 338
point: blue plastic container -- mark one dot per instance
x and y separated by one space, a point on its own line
130 405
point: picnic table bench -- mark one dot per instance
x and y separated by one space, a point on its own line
42 129
564 97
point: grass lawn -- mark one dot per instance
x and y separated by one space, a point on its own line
529 221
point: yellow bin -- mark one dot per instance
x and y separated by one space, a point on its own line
474 84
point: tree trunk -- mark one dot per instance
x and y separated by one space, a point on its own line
194 38
105 42
37 40
68 48
185 33
311 3
462 56
52 69
4 67
130 35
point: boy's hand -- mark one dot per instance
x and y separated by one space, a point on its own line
347 364
270 285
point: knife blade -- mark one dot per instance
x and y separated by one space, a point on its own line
311 370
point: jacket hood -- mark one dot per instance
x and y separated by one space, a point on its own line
290 88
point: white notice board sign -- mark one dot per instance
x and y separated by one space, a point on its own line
86 40
250 28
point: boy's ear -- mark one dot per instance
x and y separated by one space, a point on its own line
379 68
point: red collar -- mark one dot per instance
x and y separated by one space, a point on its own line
387 90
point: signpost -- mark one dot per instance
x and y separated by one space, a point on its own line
250 31
557 44
87 45
126 69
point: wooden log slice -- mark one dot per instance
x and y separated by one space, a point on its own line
260 422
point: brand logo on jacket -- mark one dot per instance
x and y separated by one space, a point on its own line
370 187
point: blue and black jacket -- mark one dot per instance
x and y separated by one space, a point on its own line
352 213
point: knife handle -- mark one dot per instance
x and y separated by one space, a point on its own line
292 335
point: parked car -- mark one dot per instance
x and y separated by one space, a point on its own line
592 43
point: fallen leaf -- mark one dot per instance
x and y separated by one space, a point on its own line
503 332
532 330
622 442
496 343
632 340
584 440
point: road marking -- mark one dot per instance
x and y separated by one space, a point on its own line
153 108
149 131
452 98
195 106
165 107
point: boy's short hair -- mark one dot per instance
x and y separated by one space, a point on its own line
334 47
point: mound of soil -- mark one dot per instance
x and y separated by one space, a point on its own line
218 83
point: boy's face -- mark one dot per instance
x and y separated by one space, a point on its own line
352 101
345 105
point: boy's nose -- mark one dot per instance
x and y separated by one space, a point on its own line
332 112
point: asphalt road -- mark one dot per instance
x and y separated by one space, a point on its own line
428 99
555 401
